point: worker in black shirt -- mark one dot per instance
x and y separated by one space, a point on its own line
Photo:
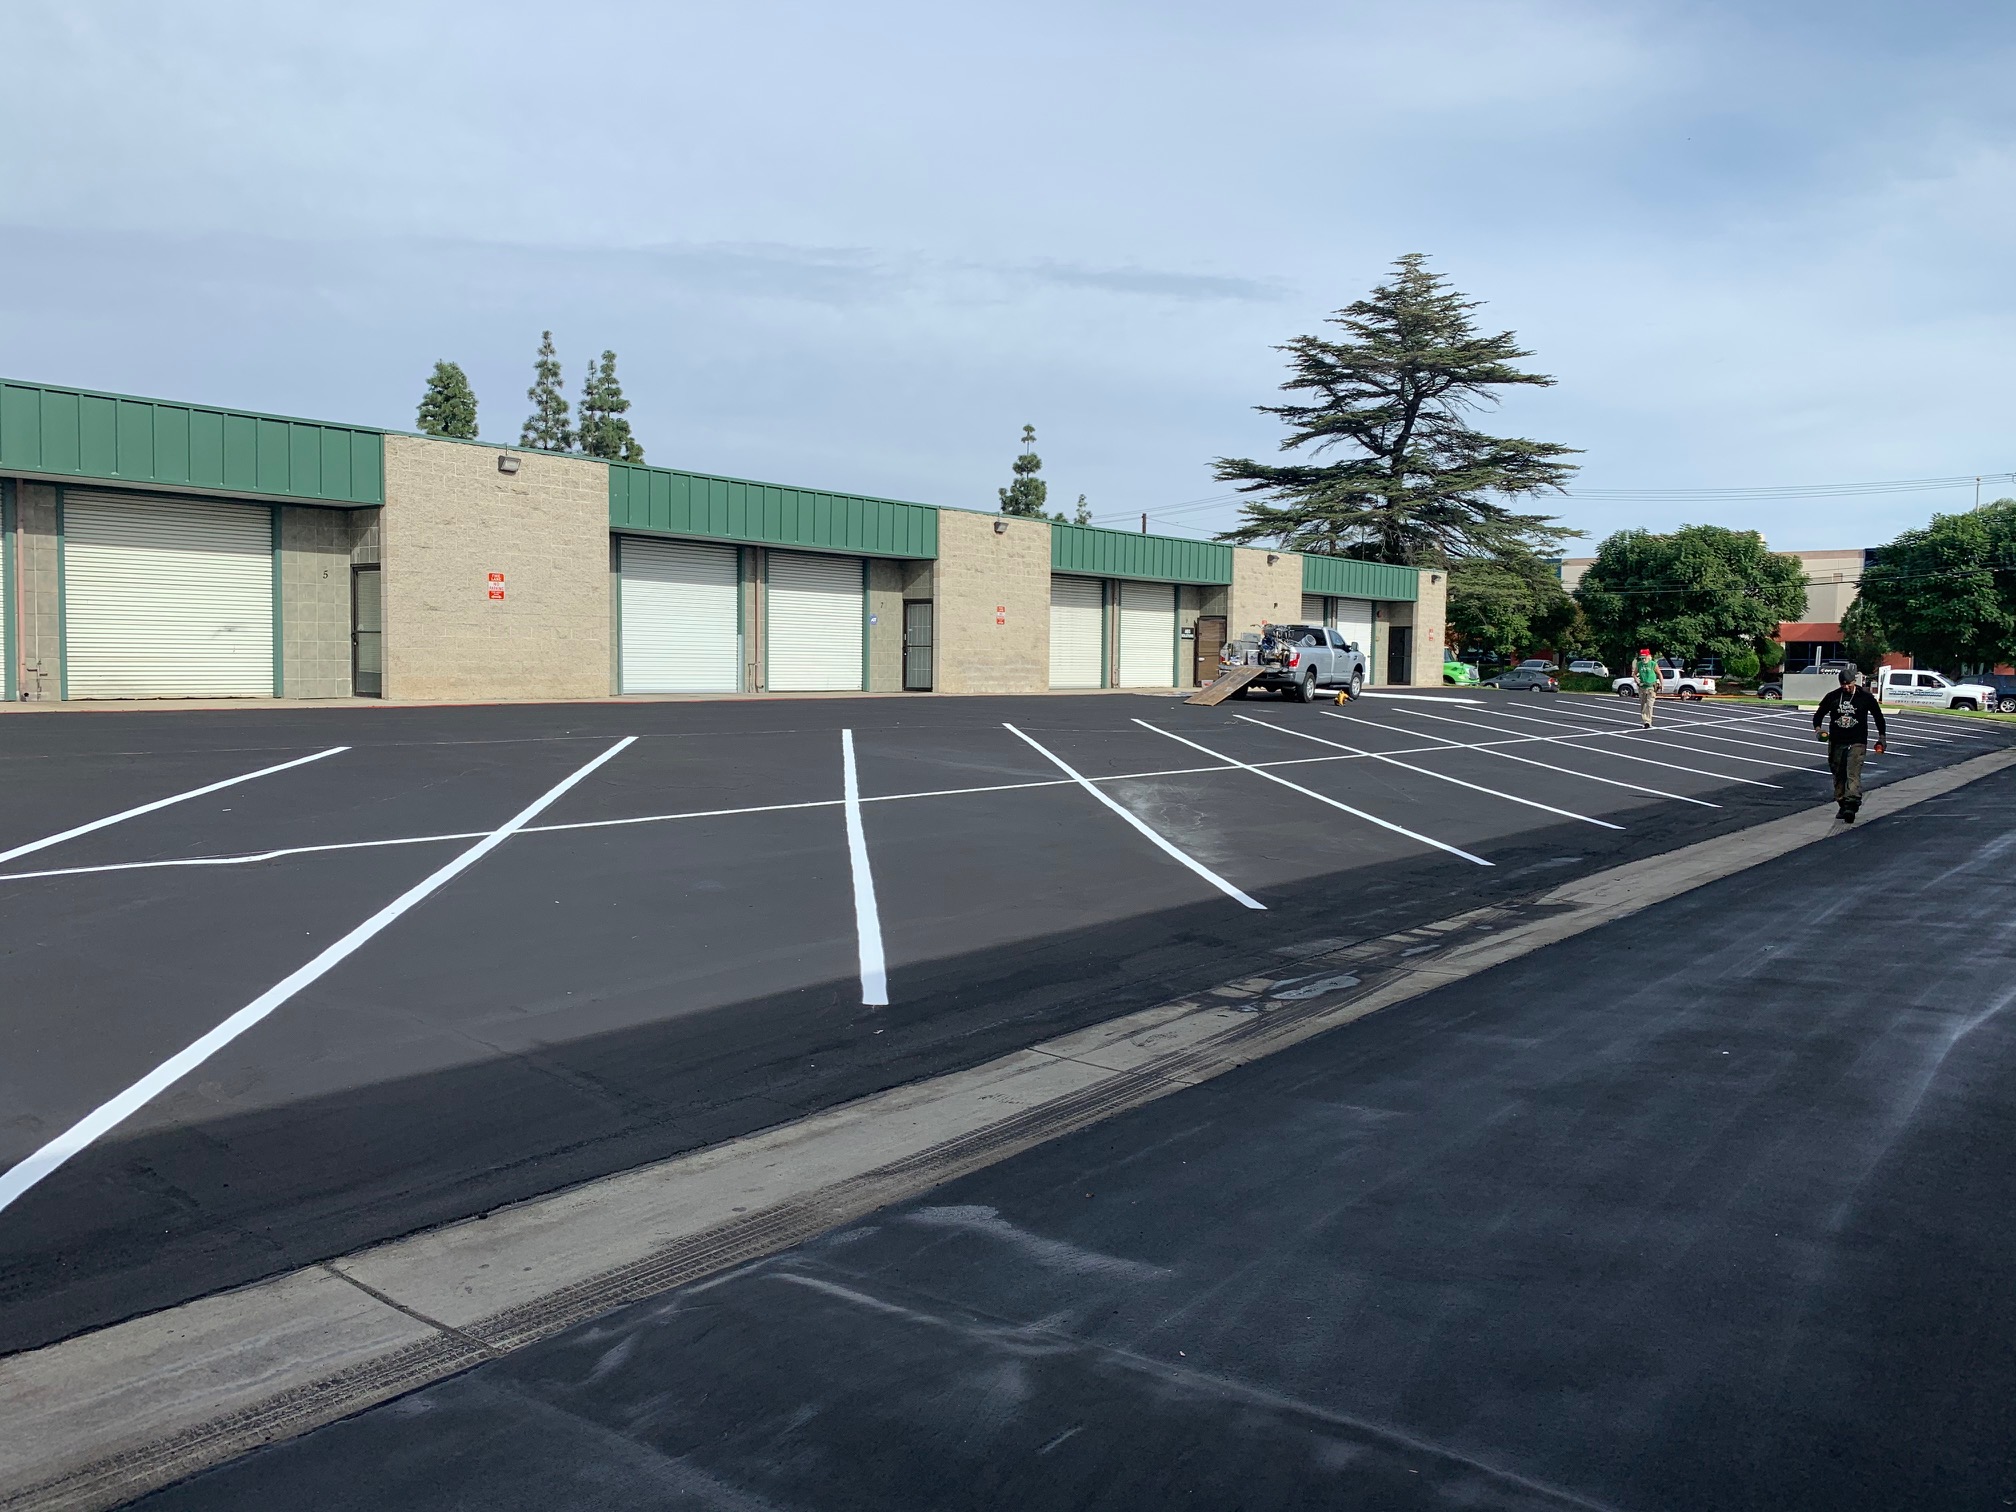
1842 720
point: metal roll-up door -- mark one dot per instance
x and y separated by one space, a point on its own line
1077 632
1352 619
1312 609
813 627
681 622
1147 635
166 597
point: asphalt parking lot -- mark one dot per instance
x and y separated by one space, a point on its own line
366 971
1711 1207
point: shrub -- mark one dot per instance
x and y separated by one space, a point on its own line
1584 682
1741 664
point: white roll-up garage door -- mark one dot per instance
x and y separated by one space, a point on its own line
1077 632
1312 608
680 626
166 597
1352 619
1147 635
812 631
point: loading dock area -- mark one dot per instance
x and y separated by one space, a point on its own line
158 550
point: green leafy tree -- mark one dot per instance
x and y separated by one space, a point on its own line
546 428
1946 593
1863 635
1082 515
604 431
1025 495
1741 664
1770 655
1511 605
448 408
1697 590
1419 485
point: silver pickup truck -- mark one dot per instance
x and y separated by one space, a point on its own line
1296 660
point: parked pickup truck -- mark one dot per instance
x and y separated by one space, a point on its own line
1673 683
1296 660
1928 690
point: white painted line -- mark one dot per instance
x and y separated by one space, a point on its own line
1384 824
240 860
108 1116
1195 865
867 917
1697 727
1491 748
1638 736
1619 755
1429 772
1421 697
161 803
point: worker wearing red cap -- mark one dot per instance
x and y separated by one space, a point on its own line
1646 671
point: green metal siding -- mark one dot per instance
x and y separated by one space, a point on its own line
1092 552
112 439
665 502
1346 577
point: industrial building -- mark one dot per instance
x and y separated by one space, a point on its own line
157 550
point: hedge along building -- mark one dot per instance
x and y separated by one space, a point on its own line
161 550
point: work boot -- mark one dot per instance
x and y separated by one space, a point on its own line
1847 813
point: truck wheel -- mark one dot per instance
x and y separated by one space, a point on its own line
1965 703
2006 706
1305 690
1357 682
1626 693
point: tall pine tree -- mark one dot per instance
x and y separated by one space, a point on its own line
448 408
604 431
546 428
1026 494
1420 485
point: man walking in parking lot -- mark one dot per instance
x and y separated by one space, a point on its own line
1842 720
1646 671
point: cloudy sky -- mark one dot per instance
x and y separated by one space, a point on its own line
859 245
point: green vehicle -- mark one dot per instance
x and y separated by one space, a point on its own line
1459 674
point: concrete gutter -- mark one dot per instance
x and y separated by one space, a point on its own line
99 1419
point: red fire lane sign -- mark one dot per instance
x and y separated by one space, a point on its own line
496 585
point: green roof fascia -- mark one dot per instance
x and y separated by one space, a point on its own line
116 438
1095 552
1347 577
665 501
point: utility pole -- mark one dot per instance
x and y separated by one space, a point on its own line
1977 493
1144 518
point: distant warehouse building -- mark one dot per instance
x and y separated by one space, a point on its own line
159 550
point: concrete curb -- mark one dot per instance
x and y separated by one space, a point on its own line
99 1419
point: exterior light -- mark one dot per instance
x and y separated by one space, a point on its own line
507 463
1272 559
1000 527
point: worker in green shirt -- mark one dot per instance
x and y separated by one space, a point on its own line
1646 671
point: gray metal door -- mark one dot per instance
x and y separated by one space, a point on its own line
1400 655
917 645
367 634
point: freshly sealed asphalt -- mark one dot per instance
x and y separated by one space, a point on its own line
1714 1207
583 1000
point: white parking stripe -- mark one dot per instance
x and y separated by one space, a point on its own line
1491 748
1322 798
1614 755
108 1116
161 803
1641 736
867 917
1697 726
1408 766
1195 865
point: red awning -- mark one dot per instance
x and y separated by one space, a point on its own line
1816 630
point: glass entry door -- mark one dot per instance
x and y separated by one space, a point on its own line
367 634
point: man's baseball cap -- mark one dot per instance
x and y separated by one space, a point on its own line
1848 675
1642 651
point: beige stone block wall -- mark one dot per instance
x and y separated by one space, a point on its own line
1263 593
314 602
450 519
1431 628
978 572
885 629
38 653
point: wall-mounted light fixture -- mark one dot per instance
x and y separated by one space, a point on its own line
1273 560
507 463
1000 527
1434 577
